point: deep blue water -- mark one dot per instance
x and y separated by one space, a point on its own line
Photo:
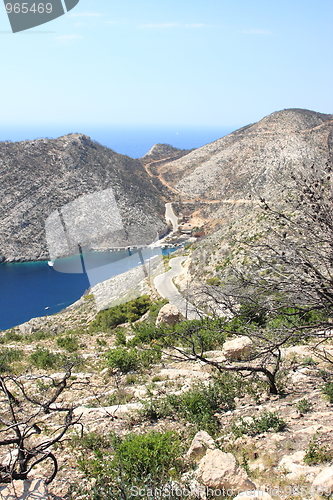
28 288
131 141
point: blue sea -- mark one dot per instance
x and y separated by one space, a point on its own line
35 289
131 141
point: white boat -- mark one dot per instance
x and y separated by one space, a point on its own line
50 263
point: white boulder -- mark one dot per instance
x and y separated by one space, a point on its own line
168 315
238 348
219 470
323 483
202 442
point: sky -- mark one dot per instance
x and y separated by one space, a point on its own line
166 63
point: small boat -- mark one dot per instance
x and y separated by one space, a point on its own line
47 307
51 263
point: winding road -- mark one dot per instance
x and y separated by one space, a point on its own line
167 289
170 215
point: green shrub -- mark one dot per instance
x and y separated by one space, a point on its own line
101 342
143 461
69 342
120 397
126 360
91 441
11 336
317 453
150 356
153 454
304 406
267 421
40 335
213 281
128 312
197 405
88 297
120 337
9 356
131 379
328 391
204 334
144 333
43 358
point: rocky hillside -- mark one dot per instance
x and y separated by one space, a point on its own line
280 444
251 159
162 152
40 176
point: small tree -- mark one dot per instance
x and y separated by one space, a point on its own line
27 409
277 284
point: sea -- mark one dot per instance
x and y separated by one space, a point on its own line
36 289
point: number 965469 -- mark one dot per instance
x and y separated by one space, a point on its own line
24 8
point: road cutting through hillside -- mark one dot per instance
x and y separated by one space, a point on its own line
167 289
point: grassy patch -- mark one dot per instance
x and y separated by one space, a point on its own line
43 358
8 357
317 453
267 421
69 343
131 360
328 391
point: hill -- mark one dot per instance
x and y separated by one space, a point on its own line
249 159
40 176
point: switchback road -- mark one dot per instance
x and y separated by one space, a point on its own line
168 290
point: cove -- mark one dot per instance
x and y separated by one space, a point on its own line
27 289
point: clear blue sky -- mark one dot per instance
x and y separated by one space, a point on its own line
168 63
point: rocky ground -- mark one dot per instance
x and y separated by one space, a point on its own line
110 401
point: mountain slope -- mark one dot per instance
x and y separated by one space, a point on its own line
250 159
39 177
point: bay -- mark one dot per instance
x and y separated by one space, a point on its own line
33 289
27 289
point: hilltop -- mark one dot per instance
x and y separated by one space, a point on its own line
249 159
40 176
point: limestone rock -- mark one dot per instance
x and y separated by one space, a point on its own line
25 490
294 466
253 495
168 315
26 328
202 442
323 483
238 348
249 158
219 470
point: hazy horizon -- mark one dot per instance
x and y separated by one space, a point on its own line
206 63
